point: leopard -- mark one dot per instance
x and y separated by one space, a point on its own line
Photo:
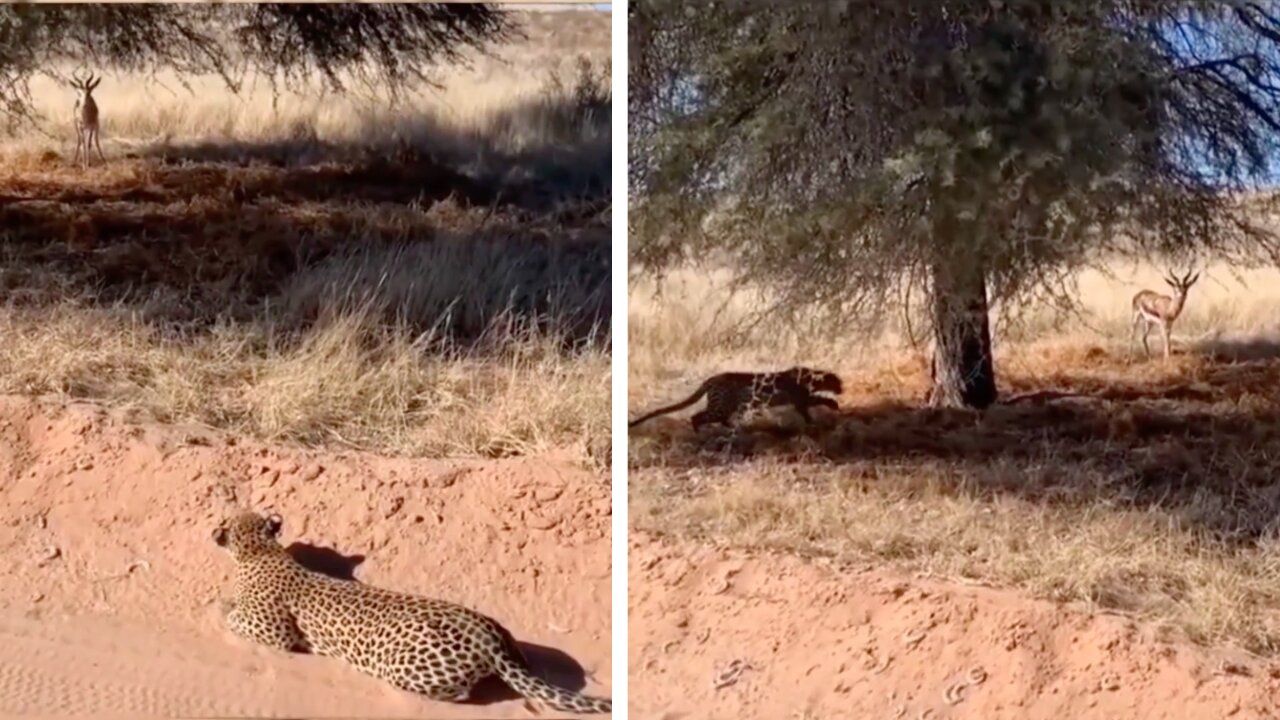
731 395
432 647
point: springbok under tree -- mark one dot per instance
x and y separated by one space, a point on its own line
1151 308
88 132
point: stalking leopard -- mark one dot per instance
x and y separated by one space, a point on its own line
427 646
731 395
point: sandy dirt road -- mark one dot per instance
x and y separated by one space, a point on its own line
727 634
110 578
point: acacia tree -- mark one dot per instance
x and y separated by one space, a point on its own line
391 46
976 151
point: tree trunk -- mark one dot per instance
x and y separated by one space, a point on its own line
963 374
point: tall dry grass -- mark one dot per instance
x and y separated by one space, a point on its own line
1153 493
348 380
534 111
471 99
428 277
690 324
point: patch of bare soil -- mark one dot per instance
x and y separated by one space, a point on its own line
727 634
109 578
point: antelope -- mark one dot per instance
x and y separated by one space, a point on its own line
87 128
1151 308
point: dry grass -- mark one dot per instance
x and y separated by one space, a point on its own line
474 101
1151 491
423 278
348 380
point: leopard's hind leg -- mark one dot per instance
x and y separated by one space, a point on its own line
703 419
709 417
265 624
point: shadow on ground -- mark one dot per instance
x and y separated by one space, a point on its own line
1238 347
194 242
325 561
1201 441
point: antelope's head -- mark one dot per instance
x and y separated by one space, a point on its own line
1182 284
85 86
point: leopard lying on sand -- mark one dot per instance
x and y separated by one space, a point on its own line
418 644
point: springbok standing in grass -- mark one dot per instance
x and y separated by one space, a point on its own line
87 128
1151 308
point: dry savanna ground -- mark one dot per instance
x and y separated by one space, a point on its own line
428 278
387 323
1103 545
1150 490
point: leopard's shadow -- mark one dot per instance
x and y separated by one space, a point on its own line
550 664
325 561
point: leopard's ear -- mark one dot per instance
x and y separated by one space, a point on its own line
274 523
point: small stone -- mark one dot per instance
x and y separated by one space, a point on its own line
393 506
547 494
538 522
447 479
225 492
51 553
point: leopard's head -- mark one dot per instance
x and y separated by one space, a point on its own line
248 534
818 380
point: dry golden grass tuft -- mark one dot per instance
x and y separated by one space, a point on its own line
347 380
423 278
1128 484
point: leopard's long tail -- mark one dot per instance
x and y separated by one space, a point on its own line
695 397
514 671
